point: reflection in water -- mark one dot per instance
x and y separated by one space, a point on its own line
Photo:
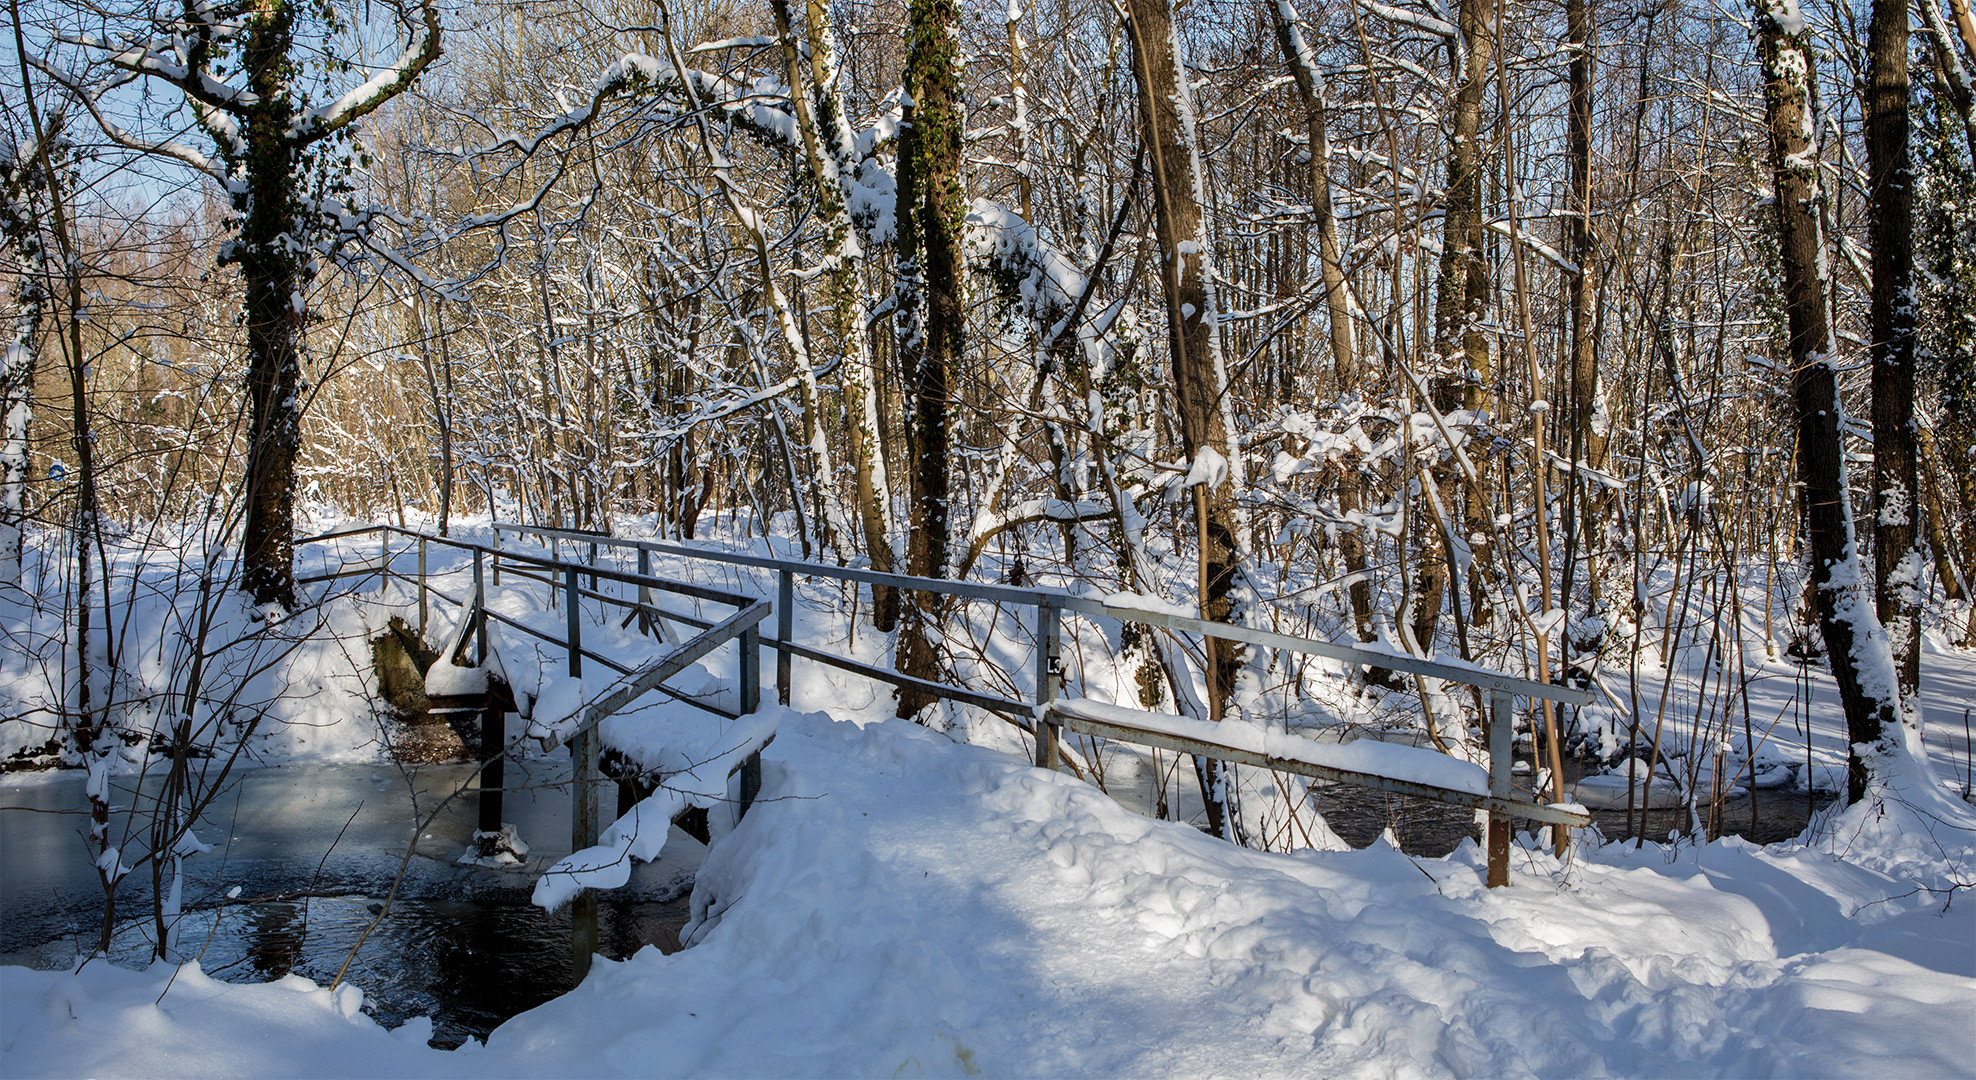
467 964
274 933
461 945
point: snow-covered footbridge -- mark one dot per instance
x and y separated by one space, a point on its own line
897 904
670 769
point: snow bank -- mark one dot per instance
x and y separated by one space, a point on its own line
105 1021
899 905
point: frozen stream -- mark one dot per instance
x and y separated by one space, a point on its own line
460 944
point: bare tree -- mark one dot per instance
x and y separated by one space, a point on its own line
1853 636
1200 383
1899 555
930 316
281 154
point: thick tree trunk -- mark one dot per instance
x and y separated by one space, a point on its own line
1900 562
1585 507
1839 587
932 212
16 412
25 182
826 145
275 275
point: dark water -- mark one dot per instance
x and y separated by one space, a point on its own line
467 964
1430 829
313 853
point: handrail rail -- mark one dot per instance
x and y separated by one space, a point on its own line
682 588
636 682
1452 671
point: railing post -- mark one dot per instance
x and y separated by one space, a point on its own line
785 627
644 591
573 618
584 823
496 530
1497 730
1049 629
383 557
750 642
593 566
422 603
480 610
493 725
751 669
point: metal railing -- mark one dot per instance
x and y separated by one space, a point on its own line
1044 719
742 628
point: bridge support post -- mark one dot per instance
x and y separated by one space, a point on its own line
422 599
493 726
785 625
1497 730
750 643
585 779
1049 631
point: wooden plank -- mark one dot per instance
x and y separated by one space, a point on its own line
1543 812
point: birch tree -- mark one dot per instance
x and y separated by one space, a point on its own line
23 188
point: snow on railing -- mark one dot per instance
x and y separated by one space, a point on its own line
1406 770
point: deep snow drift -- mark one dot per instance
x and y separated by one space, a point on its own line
901 905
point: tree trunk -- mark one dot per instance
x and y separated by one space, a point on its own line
1900 562
1849 626
1166 111
932 210
1337 301
275 276
17 378
1461 299
1585 508
826 145
23 183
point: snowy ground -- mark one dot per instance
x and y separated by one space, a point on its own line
900 905
903 905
